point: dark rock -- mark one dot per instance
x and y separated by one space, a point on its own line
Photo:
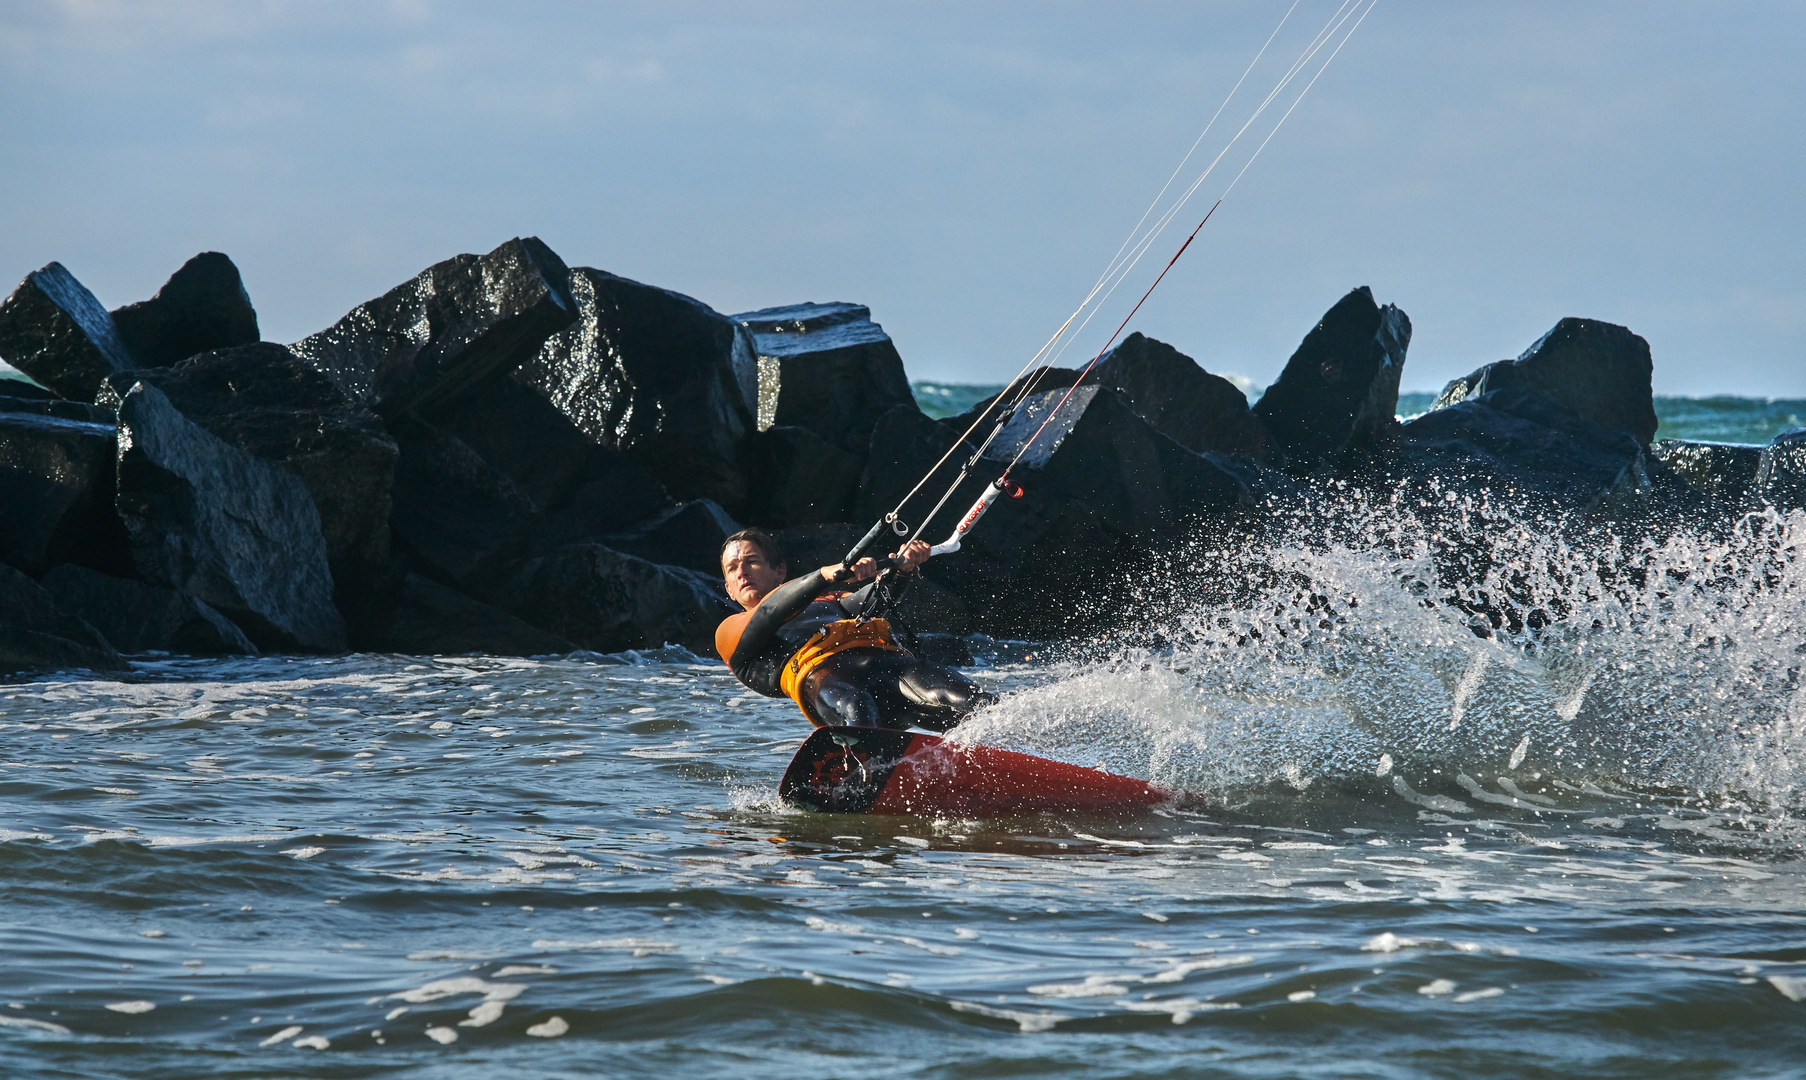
210 520
37 635
905 445
16 387
453 511
57 407
1102 489
689 536
651 373
202 307
426 618
1197 410
811 547
264 400
423 344
1339 390
1722 470
53 330
825 367
140 618
608 602
1781 479
1516 441
800 477
56 492
1593 369
579 489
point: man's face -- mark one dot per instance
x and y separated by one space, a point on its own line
749 576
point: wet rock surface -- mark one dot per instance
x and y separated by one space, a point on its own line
825 367
53 330
203 306
1781 477
652 373
608 601
453 511
427 618
1723 470
36 634
56 491
139 618
1339 391
690 536
428 341
1182 401
1590 368
207 519
264 400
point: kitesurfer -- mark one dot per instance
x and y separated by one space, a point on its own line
805 640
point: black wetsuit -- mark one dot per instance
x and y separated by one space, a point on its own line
861 687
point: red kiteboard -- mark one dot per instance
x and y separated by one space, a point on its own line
851 770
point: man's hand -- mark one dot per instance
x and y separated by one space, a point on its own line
912 555
864 570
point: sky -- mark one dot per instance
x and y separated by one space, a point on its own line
965 169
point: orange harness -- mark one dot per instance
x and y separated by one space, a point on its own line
836 637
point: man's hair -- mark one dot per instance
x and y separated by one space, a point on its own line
759 538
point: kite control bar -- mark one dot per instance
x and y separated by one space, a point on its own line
992 491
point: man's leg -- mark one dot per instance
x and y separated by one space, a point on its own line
941 697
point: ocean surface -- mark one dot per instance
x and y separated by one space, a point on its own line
1401 849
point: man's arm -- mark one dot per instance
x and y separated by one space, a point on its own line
780 606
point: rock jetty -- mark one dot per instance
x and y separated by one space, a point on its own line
507 455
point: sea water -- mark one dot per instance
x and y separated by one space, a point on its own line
1405 842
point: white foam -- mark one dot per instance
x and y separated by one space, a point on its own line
637 945
1301 995
551 1028
912 841
444 1036
1792 987
1028 1022
132 1007
1181 1009
816 923
282 1036
484 1014
461 984
511 970
35 1025
1180 970
312 1042
1093 986
1478 995
1437 988
1389 942
303 852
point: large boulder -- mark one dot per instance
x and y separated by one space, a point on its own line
1722 470
1101 491
264 400
453 511
1781 477
37 635
579 489
1339 391
799 477
202 307
825 367
210 520
1519 445
905 445
58 407
428 341
1187 404
52 329
1590 368
652 373
689 535
608 601
56 491
140 618
425 618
